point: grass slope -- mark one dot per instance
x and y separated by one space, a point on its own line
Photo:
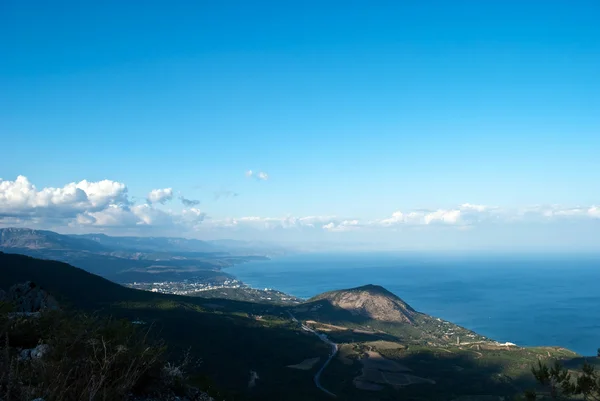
250 295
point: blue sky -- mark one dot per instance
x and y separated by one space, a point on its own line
355 110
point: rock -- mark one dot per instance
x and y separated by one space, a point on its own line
25 355
34 353
253 378
39 351
14 315
29 298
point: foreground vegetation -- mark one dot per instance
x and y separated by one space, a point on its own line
560 382
59 356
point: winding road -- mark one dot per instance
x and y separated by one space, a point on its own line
334 350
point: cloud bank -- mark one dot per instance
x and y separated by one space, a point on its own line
89 206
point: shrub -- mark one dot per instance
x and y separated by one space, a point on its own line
560 384
89 358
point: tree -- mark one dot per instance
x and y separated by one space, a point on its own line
561 384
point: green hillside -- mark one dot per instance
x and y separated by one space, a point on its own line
228 337
250 295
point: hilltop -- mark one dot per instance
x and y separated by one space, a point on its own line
370 301
372 308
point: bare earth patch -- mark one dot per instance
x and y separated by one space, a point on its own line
378 371
374 360
325 326
363 331
384 345
306 364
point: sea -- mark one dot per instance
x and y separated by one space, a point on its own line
526 299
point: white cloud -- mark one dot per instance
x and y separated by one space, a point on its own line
22 198
555 212
259 175
443 216
104 193
421 217
461 217
478 208
192 218
91 205
160 195
594 211
88 204
269 223
112 216
345 225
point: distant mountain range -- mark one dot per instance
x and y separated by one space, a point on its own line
27 238
126 259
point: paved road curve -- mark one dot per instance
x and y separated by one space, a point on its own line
334 350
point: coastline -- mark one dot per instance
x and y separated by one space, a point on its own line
495 301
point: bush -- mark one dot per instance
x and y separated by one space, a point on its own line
560 384
88 358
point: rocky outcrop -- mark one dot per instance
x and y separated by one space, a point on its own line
34 353
26 238
29 298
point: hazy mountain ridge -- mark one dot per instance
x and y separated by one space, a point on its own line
126 259
150 244
26 238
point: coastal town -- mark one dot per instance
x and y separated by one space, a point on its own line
228 289
185 287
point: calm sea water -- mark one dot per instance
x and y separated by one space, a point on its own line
525 299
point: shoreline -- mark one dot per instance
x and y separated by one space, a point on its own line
506 340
